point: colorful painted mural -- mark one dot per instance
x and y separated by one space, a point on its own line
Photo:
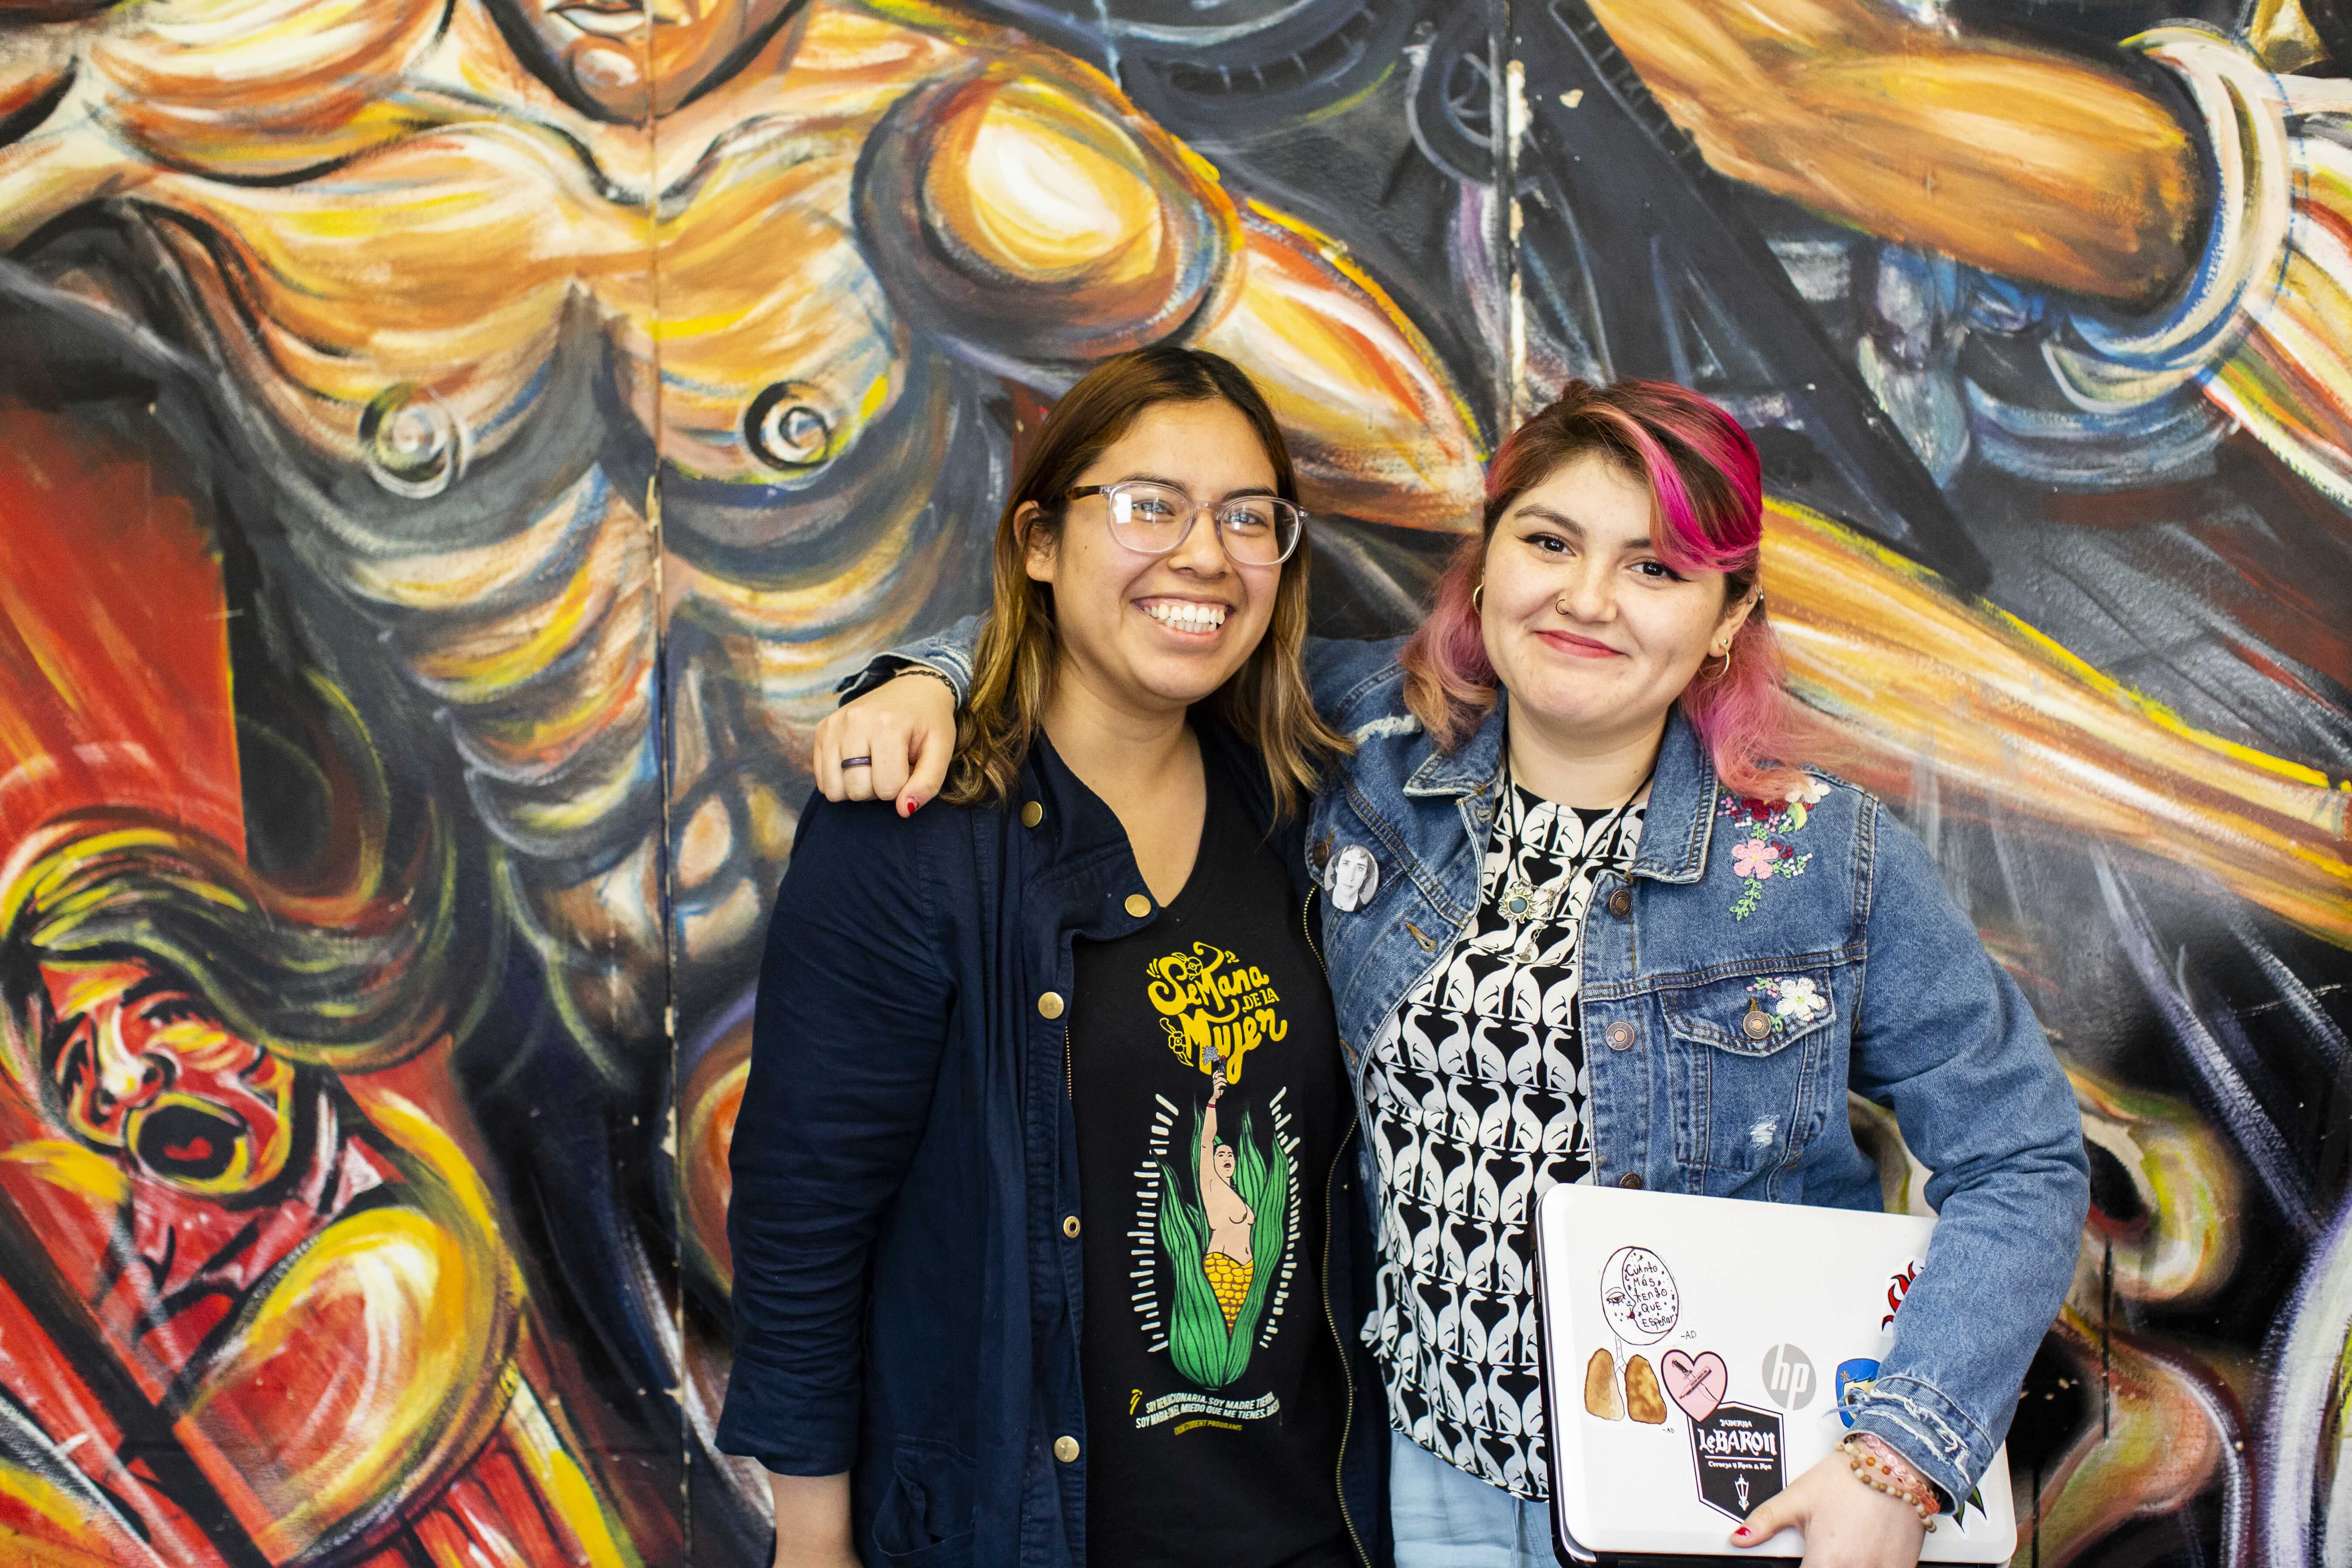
449 449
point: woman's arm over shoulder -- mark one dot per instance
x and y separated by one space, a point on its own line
1944 1036
949 651
855 991
1337 667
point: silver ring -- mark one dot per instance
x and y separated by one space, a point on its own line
856 762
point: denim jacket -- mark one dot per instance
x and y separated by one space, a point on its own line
1702 1081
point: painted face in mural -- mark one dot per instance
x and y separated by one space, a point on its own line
1153 631
1592 634
601 49
146 1071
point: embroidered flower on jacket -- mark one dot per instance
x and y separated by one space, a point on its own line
1788 1002
1763 852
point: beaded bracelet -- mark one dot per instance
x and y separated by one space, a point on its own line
1906 1485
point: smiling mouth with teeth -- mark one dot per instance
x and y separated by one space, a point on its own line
1187 617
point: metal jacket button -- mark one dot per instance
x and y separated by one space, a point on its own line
1621 902
1050 1004
1631 1180
1138 905
1070 1227
1065 1450
1756 1024
1620 1036
1032 815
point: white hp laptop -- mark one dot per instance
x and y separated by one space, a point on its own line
1696 1351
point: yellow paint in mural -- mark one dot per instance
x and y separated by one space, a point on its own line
1045 191
567 1487
1918 675
2184 1245
2161 1441
412 1357
42 1525
74 1167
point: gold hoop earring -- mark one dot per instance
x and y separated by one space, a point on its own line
1475 592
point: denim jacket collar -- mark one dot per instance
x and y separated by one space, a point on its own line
1683 795
1472 768
1680 822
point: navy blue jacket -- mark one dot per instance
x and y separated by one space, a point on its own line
907 1304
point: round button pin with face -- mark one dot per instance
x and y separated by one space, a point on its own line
1351 878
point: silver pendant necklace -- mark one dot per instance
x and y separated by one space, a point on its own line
1532 908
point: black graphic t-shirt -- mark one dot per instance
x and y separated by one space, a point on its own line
1206 1074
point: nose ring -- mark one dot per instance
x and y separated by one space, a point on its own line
1560 604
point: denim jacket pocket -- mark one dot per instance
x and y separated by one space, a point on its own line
1747 1058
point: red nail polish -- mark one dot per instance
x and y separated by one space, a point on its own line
1741 1530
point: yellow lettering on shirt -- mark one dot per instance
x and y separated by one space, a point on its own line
1214 1008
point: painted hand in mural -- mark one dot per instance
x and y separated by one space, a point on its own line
2201 239
1916 130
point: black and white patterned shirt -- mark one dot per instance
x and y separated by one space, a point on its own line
1480 1106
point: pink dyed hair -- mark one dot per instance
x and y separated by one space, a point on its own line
1708 483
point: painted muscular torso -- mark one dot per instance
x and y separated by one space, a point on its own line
461 323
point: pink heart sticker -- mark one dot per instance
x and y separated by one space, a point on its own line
1694 1383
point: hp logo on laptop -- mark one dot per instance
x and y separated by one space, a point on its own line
1788 1377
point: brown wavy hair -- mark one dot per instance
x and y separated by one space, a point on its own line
1265 701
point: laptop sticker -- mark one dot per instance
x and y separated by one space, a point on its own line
1643 1403
1601 1386
1896 1289
1639 1299
1736 1451
1638 1296
1853 1375
1696 1381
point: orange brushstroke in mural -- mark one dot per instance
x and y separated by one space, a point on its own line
1919 677
2172 1426
114 685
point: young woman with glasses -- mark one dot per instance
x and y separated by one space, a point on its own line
1587 922
1042 1224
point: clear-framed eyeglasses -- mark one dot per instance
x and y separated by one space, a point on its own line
1153 519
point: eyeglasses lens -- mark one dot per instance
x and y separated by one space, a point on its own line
1256 530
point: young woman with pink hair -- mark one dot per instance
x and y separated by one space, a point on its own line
1588 916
